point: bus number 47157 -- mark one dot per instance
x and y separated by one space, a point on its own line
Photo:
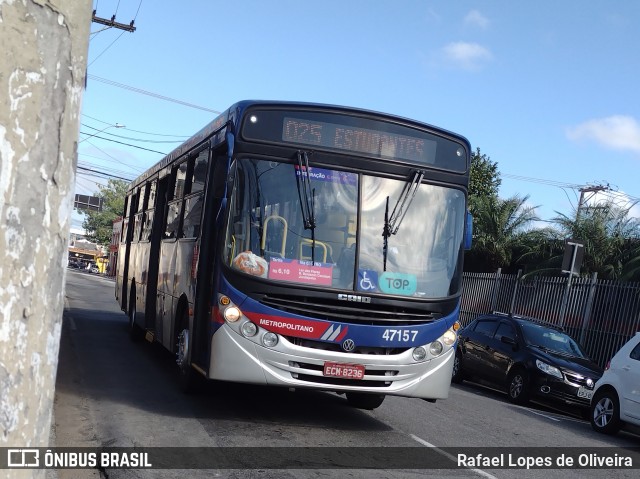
404 335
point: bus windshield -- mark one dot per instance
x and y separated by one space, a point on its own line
271 232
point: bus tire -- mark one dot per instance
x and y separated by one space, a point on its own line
189 379
364 400
135 332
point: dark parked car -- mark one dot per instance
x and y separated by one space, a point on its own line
527 359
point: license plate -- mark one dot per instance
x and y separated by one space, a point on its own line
584 392
340 370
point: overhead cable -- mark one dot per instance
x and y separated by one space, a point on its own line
145 92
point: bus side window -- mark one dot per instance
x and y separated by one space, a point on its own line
192 216
172 221
147 225
194 194
147 222
137 227
200 172
125 219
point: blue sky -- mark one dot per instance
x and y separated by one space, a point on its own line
547 89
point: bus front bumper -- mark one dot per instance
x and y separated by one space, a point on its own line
238 359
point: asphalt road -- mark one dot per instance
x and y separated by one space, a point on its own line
111 392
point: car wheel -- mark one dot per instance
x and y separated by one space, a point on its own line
518 386
605 412
457 376
365 401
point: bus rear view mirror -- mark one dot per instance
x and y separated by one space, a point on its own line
468 231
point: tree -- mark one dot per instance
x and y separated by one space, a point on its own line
500 227
611 240
484 179
631 268
99 224
540 252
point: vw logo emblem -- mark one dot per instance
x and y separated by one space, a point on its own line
590 382
348 345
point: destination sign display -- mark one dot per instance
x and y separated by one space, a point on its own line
361 140
350 133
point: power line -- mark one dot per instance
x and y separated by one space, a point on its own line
105 50
145 92
136 169
103 174
112 171
542 181
123 143
134 139
135 131
113 157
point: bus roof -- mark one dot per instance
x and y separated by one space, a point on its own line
236 111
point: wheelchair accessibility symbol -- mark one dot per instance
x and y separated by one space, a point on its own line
367 280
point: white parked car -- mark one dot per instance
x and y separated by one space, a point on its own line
616 398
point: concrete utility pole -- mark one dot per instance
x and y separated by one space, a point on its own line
43 66
583 200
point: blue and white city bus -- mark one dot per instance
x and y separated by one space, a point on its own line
303 245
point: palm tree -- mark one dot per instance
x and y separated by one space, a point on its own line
500 226
611 240
631 268
540 252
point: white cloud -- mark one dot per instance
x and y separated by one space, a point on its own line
477 19
469 56
617 132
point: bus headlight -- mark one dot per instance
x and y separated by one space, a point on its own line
419 354
270 339
435 348
249 329
232 314
449 337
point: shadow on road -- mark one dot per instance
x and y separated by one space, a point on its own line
98 360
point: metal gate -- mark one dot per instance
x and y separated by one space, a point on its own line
600 314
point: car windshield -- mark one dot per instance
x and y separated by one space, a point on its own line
317 226
550 339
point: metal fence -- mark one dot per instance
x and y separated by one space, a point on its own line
600 314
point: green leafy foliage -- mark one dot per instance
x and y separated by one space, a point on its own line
500 227
484 179
611 240
99 224
506 234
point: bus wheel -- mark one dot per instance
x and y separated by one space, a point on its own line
135 331
190 380
365 401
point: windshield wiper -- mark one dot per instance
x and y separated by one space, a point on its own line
544 348
392 223
555 351
307 204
